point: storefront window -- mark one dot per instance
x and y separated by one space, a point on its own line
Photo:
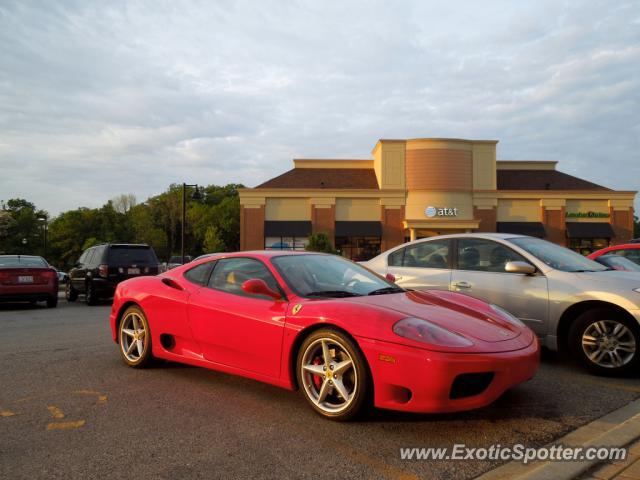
285 243
585 246
358 249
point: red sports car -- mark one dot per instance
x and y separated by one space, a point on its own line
28 278
341 334
630 251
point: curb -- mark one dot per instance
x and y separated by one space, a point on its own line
616 429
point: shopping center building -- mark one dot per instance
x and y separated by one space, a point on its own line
418 188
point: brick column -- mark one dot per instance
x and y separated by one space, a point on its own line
622 224
488 219
392 229
251 228
323 220
554 225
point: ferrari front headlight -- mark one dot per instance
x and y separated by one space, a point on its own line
426 332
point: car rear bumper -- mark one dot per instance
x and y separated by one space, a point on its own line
417 380
13 293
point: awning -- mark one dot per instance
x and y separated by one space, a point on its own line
533 229
287 228
589 230
358 229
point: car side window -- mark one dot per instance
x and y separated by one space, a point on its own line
395 259
83 257
230 273
431 254
89 258
200 274
485 255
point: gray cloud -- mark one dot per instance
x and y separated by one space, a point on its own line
100 99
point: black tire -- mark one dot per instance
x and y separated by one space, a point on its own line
145 359
52 302
90 296
356 378
70 293
605 352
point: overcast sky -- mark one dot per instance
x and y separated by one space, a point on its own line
103 98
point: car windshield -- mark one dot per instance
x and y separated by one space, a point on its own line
557 257
316 276
22 262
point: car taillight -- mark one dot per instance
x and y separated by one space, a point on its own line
103 270
49 274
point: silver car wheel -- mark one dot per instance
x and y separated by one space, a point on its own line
329 375
133 337
608 343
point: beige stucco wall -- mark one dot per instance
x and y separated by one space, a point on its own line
519 211
417 201
287 209
357 209
484 166
389 163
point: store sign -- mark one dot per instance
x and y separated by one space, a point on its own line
587 215
432 212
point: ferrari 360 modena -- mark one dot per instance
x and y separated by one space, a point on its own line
344 336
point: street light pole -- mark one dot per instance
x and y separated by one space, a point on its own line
196 196
44 219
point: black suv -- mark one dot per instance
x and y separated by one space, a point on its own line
102 267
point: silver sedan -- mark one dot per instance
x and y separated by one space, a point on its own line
571 302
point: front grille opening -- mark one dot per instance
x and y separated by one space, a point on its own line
470 384
167 341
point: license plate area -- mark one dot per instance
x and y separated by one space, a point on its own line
25 279
133 271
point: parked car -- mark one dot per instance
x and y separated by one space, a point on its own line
628 250
617 262
63 277
176 261
341 334
101 268
569 300
28 278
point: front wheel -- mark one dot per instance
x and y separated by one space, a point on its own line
605 342
332 374
134 338
90 297
70 293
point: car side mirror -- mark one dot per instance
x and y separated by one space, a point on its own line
391 277
256 286
520 267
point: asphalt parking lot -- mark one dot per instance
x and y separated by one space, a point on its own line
69 408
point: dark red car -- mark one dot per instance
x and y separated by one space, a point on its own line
27 278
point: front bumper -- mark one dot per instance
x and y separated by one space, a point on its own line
416 380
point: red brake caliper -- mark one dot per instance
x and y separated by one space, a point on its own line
317 379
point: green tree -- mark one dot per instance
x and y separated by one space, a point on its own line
23 233
213 241
319 242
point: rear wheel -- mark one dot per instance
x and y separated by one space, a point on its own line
90 297
52 302
134 338
70 293
605 342
332 374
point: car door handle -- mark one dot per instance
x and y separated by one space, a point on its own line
462 285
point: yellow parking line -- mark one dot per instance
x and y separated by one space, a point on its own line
65 425
6 413
55 412
604 383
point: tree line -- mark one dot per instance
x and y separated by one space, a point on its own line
212 225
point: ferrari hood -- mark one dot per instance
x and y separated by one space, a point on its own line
455 312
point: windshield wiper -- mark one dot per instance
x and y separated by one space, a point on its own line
385 290
332 293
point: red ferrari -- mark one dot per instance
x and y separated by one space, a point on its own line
319 323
